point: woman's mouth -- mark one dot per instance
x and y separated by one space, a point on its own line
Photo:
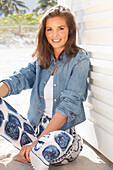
56 41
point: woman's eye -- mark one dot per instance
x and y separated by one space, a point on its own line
49 29
61 28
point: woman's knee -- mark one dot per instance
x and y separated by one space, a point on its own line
53 145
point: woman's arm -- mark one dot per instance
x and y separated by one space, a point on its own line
76 90
56 123
4 90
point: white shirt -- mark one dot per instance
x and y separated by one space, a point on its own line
48 96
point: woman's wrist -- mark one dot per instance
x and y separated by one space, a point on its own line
34 143
4 90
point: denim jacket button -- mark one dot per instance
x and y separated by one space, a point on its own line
41 96
54 84
55 100
44 82
50 70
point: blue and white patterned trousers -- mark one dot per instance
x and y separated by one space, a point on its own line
56 148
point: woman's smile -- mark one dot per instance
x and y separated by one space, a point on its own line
56 41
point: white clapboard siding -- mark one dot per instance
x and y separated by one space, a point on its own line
99 80
94 20
100 37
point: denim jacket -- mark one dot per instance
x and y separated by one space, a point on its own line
69 87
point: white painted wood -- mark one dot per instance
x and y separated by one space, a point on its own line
101 56
102 63
96 37
94 48
101 77
101 80
104 110
97 9
97 24
105 85
78 5
101 91
95 30
97 137
102 70
100 120
94 16
104 99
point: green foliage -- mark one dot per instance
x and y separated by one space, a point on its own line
45 5
7 5
23 19
30 19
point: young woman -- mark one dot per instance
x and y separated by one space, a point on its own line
58 78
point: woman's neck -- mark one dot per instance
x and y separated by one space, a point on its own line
57 54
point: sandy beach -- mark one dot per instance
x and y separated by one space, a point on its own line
11 59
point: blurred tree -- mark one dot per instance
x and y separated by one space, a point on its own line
7 5
24 19
45 4
21 19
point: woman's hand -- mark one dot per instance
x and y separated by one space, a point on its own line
25 150
52 126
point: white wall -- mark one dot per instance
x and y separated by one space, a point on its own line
95 34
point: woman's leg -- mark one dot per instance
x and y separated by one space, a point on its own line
14 127
56 148
50 147
74 150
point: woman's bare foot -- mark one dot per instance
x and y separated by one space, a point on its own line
6 160
19 159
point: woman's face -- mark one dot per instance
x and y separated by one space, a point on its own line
57 33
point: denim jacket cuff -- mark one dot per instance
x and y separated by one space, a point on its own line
61 112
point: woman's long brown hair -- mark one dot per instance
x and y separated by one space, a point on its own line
43 49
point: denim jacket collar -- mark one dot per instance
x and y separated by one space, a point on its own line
63 59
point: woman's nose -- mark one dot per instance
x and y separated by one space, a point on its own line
55 33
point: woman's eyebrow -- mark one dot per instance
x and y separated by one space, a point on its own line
58 26
62 26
